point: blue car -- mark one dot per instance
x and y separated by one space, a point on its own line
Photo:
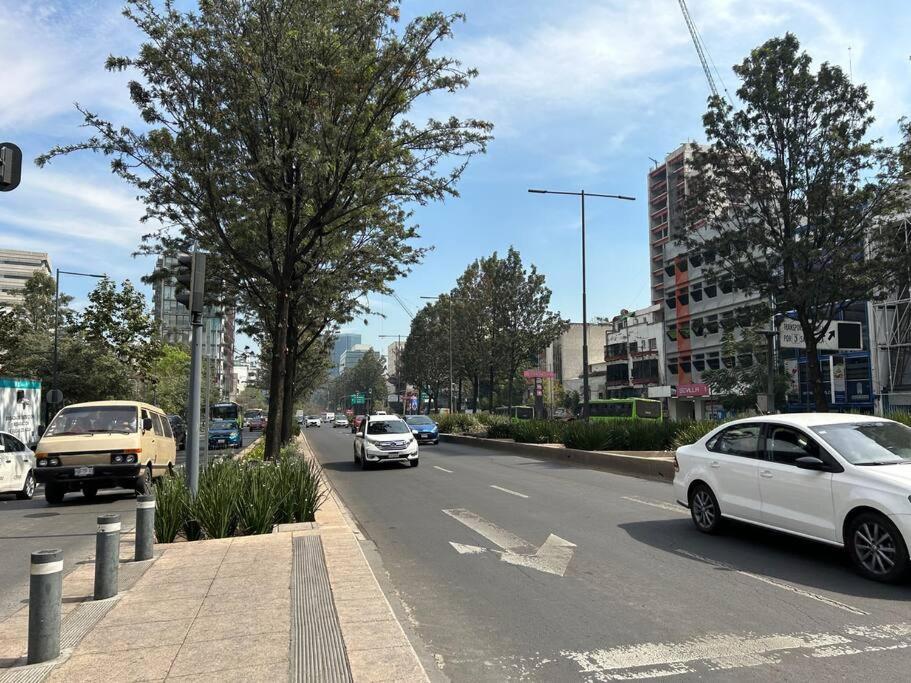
424 429
224 434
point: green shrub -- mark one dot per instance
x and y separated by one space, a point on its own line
458 423
691 432
300 489
172 499
257 451
538 431
260 498
620 435
215 505
499 427
902 416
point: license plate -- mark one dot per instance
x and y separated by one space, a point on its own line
83 471
221 442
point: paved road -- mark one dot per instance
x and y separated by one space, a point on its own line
32 525
644 595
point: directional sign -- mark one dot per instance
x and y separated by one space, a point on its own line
840 335
551 558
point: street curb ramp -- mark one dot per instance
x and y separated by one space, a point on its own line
661 469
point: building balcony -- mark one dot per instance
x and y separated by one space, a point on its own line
616 382
617 358
645 353
645 380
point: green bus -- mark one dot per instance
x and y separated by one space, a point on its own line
518 412
619 408
227 410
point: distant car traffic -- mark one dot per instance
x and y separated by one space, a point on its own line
312 421
256 420
17 467
102 444
356 423
424 429
839 479
328 417
179 429
385 438
224 434
340 421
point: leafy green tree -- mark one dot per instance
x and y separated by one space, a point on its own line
275 129
169 380
425 358
788 187
743 375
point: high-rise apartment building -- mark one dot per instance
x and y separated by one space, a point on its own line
350 357
697 307
343 342
217 341
17 267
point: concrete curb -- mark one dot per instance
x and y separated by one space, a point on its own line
246 449
661 469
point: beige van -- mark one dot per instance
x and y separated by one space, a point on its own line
102 444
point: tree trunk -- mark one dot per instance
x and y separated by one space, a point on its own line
814 371
458 407
475 390
277 377
509 394
490 407
290 378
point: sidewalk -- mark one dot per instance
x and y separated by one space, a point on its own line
298 604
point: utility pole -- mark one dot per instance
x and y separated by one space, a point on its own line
582 194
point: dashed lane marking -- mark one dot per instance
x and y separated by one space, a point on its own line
778 584
657 504
513 493
442 469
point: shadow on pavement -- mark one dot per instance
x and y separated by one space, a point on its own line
767 553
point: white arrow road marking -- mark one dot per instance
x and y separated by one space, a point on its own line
514 493
777 584
551 558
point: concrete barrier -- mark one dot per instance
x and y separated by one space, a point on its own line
635 465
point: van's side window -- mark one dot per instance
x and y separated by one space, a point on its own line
156 424
166 424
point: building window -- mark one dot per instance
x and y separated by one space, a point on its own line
653 344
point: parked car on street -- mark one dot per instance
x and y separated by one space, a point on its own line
312 421
838 479
179 430
88 446
424 429
17 467
224 434
340 421
385 438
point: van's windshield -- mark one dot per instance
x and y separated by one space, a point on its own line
94 420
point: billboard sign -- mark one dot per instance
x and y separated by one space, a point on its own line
538 374
840 335
20 408
692 390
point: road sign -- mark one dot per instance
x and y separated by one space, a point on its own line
538 374
840 335
357 399
10 166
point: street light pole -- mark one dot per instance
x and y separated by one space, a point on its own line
582 194
57 317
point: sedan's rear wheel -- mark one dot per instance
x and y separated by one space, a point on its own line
877 548
28 488
704 509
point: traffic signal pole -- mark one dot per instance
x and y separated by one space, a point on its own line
193 410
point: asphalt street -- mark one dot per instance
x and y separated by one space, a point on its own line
514 568
28 525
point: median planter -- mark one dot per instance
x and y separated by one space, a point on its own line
649 464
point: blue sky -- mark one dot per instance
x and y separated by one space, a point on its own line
581 94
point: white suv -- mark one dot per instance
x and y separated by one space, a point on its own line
312 421
839 479
384 438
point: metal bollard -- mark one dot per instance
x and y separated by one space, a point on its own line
107 556
145 527
44 598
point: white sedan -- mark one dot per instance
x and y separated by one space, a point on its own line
840 479
17 467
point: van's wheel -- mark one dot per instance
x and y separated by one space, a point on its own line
144 482
704 509
28 488
90 491
877 548
53 493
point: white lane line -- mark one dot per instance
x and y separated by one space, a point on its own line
514 493
778 584
442 469
680 510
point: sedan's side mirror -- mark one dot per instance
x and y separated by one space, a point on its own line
808 462
146 424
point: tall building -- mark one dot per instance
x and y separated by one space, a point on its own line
217 341
343 342
564 356
696 307
350 357
393 353
16 267
633 353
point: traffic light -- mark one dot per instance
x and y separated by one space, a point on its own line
10 166
191 281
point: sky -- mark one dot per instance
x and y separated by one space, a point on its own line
581 93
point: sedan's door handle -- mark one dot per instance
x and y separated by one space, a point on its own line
765 474
715 464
